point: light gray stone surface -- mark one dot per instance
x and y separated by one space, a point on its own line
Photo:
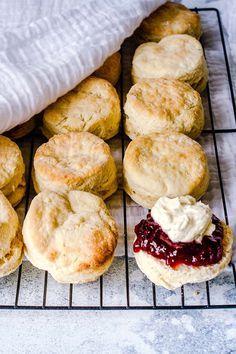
108 332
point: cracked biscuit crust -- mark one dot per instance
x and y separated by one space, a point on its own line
163 105
75 161
167 164
92 106
72 236
177 56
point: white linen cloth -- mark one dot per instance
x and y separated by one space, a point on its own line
48 47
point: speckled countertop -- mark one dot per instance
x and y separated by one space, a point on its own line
183 331
108 332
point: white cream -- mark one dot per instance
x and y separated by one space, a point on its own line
183 219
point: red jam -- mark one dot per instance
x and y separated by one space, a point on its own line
153 240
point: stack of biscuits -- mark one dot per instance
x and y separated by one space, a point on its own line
68 230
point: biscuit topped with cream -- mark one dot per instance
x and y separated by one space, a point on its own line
181 241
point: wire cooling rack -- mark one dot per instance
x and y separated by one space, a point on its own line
124 286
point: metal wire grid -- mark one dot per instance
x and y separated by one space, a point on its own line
101 305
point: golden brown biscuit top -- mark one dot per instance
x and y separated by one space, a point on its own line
164 98
171 18
74 230
71 157
11 161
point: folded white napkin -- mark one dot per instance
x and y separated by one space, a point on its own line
48 46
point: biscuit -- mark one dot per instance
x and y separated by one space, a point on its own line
16 197
13 259
177 57
168 19
163 105
75 161
72 236
171 278
12 166
11 245
92 106
22 130
111 69
167 164
8 224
